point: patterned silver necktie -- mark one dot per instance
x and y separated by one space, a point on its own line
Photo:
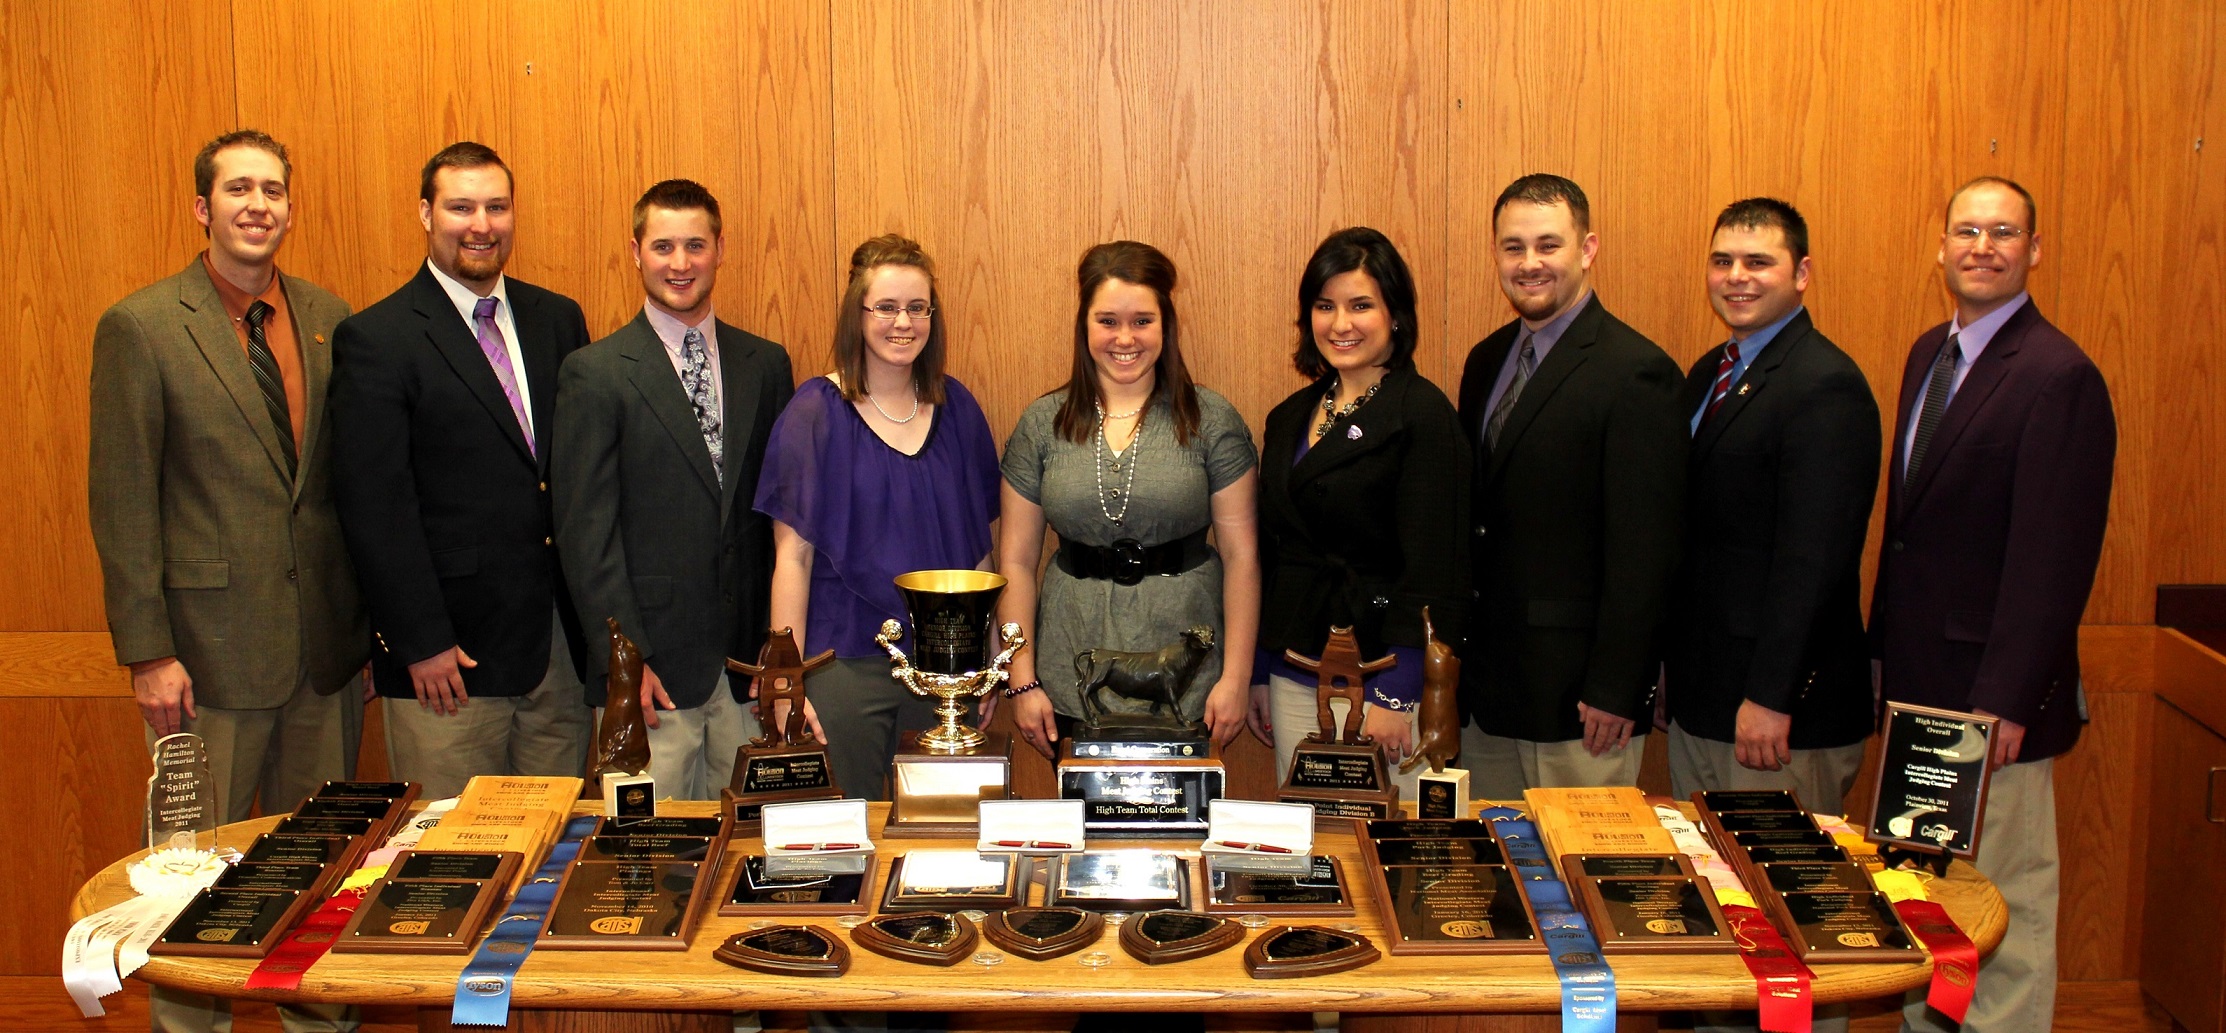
695 378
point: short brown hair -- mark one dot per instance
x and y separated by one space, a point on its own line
678 195
204 163
850 331
2032 211
1545 188
463 154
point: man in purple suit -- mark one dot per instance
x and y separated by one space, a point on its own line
1995 506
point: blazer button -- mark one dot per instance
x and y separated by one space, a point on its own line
548 541
1897 546
544 485
1480 530
290 576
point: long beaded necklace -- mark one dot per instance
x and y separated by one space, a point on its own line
1126 492
1331 413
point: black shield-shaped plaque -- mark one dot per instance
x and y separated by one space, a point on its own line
1158 937
1307 950
795 950
1039 933
928 938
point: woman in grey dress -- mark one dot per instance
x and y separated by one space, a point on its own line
1131 464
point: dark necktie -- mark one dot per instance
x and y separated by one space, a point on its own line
1936 405
1722 390
1526 363
695 378
268 378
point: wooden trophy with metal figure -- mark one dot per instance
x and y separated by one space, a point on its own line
1339 770
619 775
785 763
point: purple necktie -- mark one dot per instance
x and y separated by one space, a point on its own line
498 356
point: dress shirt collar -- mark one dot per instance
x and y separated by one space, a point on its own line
673 333
235 300
1543 339
465 300
1972 340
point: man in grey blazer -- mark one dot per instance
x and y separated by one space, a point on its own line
229 590
654 466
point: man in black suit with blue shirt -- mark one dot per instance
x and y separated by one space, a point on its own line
657 458
1769 673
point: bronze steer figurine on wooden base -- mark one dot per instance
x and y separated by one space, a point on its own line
1159 677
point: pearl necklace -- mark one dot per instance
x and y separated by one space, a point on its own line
1331 413
885 413
1127 489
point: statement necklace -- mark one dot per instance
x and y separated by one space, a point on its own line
1126 491
1331 413
885 413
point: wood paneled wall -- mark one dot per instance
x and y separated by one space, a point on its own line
1009 135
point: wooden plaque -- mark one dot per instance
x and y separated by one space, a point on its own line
1842 927
1286 952
927 938
1341 780
1118 880
228 923
1670 914
431 902
1006 891
1160 937
786 950
1932 778
1043 933
629 905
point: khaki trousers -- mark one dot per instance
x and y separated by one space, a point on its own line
2017 852
1822 778
1501 768
544 732
691 751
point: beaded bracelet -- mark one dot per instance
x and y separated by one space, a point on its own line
1022 690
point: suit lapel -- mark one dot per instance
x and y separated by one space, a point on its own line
1963 406
453 338
1750 383
210 327
313 331
536 343
653 378
1376 422
738 400
1568 353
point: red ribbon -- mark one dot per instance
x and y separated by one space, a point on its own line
1955 959
282 969
1782 996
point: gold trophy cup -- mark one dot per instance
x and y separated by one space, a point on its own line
941 776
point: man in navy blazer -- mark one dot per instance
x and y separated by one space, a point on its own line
443 400
1769 674
1995 505
657 458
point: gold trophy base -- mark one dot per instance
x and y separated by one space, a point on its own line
935 793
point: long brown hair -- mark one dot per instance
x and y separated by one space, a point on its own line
1142 264
850 331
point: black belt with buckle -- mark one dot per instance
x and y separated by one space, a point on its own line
1128 561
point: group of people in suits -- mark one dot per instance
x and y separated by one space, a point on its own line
456 485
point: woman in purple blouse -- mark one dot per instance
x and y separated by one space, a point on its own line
882 467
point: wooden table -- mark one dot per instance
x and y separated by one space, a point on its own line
617 991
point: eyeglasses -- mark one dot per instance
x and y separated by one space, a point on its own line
2003 234
888 310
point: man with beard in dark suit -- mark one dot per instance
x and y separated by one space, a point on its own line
442 400
1579 489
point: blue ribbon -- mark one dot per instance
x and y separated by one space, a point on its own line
483 991
1587 984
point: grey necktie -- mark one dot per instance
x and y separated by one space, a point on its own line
695 378
1936 404
1526 363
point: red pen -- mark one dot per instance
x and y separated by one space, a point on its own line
820 846
1265 848
1034 844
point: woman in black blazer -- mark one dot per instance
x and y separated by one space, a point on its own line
1364 496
